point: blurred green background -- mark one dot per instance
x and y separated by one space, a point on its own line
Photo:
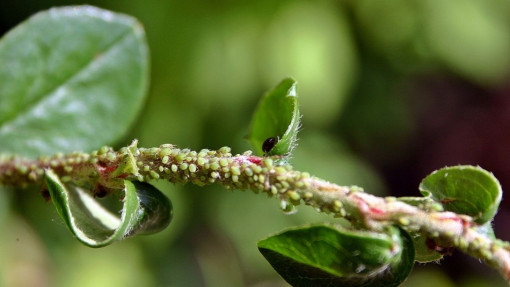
389 91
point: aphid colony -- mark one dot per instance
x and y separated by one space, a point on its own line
241 171
206 166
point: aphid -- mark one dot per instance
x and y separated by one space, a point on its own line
269 144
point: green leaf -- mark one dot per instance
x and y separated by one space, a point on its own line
325 256
73 78
144 210
277 116
466 190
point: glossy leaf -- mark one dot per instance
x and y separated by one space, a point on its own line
144 210
73 78
325 256
277 116
466 190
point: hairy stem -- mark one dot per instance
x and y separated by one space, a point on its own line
104 169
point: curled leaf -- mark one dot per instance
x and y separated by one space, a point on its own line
144 210
464 189
325 256
275 123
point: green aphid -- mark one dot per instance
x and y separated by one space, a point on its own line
165 152
223 162
235 170
224 150
293 195
154 174
180 157
201 161
280 169
103 150
215 166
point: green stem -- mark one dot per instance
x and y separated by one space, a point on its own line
106 168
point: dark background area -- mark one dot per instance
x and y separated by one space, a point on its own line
389 91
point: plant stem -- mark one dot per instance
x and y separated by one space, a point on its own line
107 168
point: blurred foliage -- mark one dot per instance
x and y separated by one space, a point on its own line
389 91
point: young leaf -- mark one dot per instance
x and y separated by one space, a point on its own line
275 123
325 256
466 190
73 78
145 210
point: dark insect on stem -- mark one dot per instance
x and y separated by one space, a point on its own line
268 144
